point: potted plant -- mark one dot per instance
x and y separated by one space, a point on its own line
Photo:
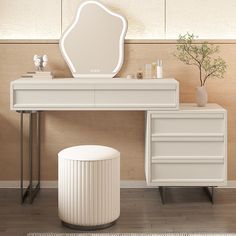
201 55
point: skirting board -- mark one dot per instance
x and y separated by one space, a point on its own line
131 234
124 184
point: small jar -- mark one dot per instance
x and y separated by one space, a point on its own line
139 74
130 76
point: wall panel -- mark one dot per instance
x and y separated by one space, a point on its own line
123 130
145 17
209 19
30 19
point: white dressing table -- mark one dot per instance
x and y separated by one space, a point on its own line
185 146
32 96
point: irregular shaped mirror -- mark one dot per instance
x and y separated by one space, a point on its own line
93 46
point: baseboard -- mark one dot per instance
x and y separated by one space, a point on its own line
230 184
54 184
134 184
124 184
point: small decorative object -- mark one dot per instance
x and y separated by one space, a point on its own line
154 70
130 76
148 71
159 69
40 62
42 75
201 56
201 96
139 74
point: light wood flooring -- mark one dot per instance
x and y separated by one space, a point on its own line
187 210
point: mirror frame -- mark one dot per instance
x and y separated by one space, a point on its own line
121 43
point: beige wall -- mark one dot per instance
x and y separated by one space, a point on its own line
209 19
122 130
34 19
141 24
147 19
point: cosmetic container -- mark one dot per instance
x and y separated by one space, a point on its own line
148 71
139 74
154 69
159 69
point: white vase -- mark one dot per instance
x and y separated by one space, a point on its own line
201 96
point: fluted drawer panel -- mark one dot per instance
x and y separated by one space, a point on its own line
89 191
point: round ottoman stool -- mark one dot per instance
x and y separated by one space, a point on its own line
89 186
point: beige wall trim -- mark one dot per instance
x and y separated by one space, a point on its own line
54 184
124 184
29 41
174 41
127 41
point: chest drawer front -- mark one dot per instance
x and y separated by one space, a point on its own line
193 174
187 123
187 149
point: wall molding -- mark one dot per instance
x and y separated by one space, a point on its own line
124 184
127 41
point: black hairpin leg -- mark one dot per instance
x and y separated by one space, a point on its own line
162 191
210 193
31 191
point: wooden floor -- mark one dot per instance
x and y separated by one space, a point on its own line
187 210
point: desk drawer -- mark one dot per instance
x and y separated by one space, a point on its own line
52 99
181 174
165 99
184 122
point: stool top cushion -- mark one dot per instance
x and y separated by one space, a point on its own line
89 153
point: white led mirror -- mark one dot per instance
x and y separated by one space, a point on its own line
93 46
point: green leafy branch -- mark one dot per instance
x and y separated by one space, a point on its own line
200 55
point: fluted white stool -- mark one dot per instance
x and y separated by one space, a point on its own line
89 186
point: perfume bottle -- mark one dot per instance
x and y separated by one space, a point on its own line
154 69
159 69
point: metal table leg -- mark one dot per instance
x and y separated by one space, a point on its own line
209 191
162 191
31 191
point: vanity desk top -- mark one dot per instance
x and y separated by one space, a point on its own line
94 94
113 83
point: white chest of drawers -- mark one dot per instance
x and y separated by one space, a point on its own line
187 147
